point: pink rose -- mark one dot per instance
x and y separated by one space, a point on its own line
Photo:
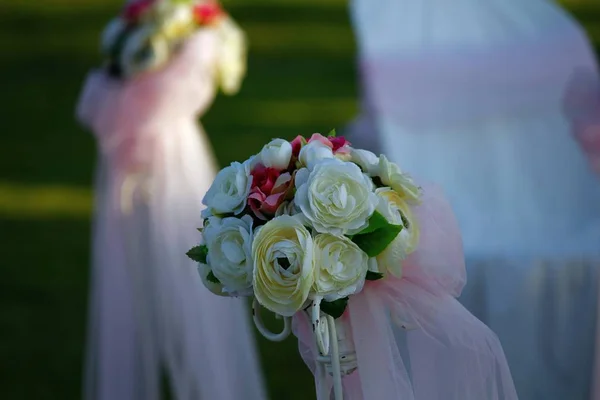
322 139
297 144
269 189
337 144
340 145
133 11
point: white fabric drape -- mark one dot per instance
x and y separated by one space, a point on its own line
149 312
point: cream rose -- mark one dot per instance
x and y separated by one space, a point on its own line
313 152
340 267
276 154
178 22
391 175
366 160
283 265
232 58
229 191
397 211
229 242
335 197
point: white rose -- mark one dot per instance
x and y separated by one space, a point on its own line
229 242
313 152
391 175
336 197
283 265
366 160
229 191
144 50
204 271
341 267
276 154
206 213
396 211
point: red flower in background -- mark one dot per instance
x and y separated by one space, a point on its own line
207 13
269 189
133 11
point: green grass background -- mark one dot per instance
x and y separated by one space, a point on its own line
301 80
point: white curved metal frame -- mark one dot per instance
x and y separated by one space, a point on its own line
327 337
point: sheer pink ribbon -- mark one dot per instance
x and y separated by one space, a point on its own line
447 353
459 84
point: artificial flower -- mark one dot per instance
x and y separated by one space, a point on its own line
282 252
229 191
335 197
391 175
340 267
229 242
396 211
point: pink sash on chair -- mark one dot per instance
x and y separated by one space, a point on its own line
446 353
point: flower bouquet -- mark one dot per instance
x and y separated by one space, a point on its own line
148 33
304 225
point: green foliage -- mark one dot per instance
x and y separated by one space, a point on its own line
377 235
212 278
198 253
335 308
373 276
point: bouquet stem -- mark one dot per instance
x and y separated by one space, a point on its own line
334 344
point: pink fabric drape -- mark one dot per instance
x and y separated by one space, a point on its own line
456 85
149 312
446 353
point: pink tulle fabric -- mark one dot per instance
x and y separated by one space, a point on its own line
149 313
455 85
413 339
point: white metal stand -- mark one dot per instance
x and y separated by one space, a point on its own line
334 343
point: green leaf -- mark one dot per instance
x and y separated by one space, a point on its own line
373 276
212 278
198 253
377 236
377 221
335 308
331 133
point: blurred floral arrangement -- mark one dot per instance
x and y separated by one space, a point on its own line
148 33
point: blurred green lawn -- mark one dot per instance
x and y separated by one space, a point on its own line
301 80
